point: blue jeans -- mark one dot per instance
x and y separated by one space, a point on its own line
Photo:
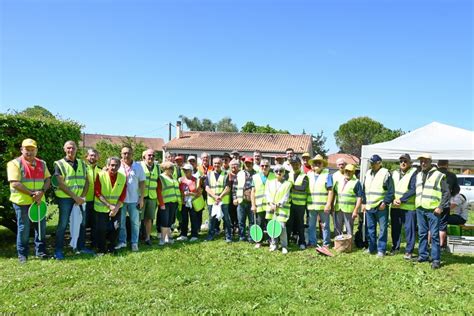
244 212
312 219
326 225
213 222
65 207
399 218
374 216
134 214
23 235
428 221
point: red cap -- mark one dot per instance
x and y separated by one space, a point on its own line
179 158
248 159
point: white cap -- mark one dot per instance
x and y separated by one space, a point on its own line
191 158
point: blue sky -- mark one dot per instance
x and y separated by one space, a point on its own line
129 67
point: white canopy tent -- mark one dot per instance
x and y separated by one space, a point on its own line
440 140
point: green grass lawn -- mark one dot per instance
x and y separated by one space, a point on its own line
214 277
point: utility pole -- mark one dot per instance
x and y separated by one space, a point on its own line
169 131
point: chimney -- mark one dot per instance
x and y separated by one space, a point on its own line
178 129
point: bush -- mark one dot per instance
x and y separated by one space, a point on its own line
49 133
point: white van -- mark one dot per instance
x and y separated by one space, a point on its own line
466 183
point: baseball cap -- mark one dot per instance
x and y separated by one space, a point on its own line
234 162
225 155
187 167
405 156
28 143
350 167
235 152
179 158
278 168
375 158
248 159
191 158
425 156
295 159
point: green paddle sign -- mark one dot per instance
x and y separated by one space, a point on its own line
256 233
37 213
274 228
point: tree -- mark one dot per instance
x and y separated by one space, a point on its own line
107 149
362 131
226 125
318 144
37 111
251 127
195 124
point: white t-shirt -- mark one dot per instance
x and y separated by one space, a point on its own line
135 175
461 206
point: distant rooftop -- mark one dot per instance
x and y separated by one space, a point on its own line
90 140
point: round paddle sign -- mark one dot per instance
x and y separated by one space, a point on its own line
37 213
274 228
256 233
54 182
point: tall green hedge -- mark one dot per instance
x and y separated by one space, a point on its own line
50 135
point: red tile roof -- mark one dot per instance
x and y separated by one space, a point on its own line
90 140
244 142
348 158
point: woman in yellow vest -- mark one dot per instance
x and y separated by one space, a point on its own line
277 195
403 211
171 201
29 178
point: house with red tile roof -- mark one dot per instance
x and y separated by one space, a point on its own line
90 140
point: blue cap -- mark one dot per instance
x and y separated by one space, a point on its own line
375 158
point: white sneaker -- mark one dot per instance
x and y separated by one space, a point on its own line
258 245
182 238
193 239
170 241
302 246
161 243
273 247
284 251
121 245
134 247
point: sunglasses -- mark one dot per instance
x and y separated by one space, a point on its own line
403 161
280 171
265 166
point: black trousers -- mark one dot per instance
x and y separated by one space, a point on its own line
107 229
295 222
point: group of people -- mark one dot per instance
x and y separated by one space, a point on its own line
237 193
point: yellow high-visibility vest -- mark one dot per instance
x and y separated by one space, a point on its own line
74 180
318 193
429 195
401 187
374 190
111 193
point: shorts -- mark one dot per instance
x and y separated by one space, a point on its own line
443 220
149 209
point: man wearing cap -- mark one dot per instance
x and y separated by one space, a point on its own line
402 211
349 193
452 182
150 201
319 199
432 195
259 204
241 197
73 185
280 159
257 158
277 196
306 165
179 163
92 172
218 190
29 178
299 197
378 194
232 175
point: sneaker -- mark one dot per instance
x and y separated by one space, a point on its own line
242 239
148 242
100 254
134 247
257 245
380 254
228 240
302 247
170 241
435 265
193 239
182 238
408 256
394 252
87 251
209 238
121 245
421 260
22 259
273 247
284 251
43 256
59 255
161 243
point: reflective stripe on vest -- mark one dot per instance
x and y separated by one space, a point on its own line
318 193
402 186
260 201
32 184
282 213
111 194
429 195
346 196
151 181
297 197
91 176
74 180
217 186
374 190
170 189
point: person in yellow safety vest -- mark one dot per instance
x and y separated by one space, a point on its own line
338 176
257 158
403 211
259 203
349 193
378 194
432 195
171 202
73 185
277 196
177 171
29 179
218 193
92 172
319 199
193 204
110 189
241 197
150 202
299 196
134 200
